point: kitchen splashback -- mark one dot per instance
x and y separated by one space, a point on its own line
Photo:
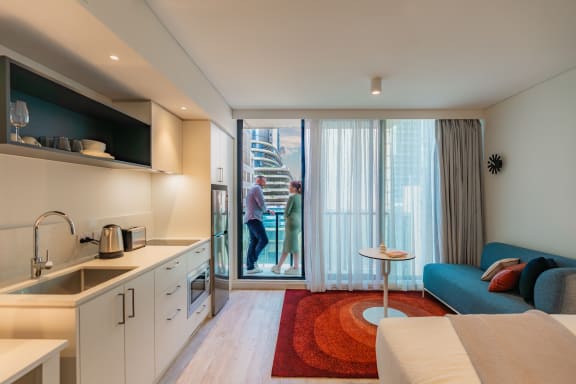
92 196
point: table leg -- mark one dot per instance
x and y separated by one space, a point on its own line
386 272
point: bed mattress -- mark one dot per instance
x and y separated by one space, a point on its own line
426 350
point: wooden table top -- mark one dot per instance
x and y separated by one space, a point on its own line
374 253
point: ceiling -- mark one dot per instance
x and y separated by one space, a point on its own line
63 36
443 54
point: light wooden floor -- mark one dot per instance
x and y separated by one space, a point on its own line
237 346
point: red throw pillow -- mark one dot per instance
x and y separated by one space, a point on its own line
505 280
517 267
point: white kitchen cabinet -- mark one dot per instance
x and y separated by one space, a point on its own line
102 339
221 157
139 330
166 134
117 335
171 311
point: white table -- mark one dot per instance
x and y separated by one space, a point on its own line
374 314
20 356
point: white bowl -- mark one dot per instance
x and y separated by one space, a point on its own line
93 145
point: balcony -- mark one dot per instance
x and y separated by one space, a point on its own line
274 225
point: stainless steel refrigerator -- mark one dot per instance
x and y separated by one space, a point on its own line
220 260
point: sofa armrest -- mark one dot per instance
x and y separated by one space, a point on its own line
555 291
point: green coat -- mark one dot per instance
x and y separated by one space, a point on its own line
293 223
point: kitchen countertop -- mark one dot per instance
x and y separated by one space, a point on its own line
21 356
142 260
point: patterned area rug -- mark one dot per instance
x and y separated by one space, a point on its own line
325 335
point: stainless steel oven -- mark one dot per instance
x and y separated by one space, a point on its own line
198 286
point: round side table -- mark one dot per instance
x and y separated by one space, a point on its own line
374 314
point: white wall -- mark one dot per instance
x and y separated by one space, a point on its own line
532 203
92 196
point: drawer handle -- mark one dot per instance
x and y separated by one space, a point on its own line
173 266
200 250
173 291
123 309
174 315
201 309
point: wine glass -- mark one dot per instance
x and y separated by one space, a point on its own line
19 117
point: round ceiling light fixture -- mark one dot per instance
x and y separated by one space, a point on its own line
114 58
183 108
376 85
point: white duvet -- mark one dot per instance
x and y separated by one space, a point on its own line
425 350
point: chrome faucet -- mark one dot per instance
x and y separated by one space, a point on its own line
37 263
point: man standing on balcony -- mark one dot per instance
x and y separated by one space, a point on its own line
255 208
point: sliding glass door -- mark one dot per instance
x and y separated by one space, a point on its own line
272 150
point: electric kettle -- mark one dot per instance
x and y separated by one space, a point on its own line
111 244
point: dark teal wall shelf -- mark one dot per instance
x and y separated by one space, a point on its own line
57 110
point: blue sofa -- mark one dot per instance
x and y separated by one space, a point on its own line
460 287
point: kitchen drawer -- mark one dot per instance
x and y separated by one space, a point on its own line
169 274
199 315
168 301
171 333
196 256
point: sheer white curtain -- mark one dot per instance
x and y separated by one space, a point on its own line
341 203
367 180
411 198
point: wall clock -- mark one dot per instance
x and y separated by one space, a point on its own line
494 163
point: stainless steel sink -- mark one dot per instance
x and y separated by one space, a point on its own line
72 283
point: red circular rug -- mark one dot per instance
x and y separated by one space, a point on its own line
325 335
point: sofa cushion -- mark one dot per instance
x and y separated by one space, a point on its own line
460 287
505 280
497 266
529 276
496 251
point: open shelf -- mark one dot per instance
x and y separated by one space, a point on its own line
59 111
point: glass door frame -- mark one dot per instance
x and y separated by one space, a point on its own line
240 216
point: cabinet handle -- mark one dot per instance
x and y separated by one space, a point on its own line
174 315
173 291
200 250
133 291
123 309
201 309
173 266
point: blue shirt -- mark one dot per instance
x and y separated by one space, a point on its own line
255 204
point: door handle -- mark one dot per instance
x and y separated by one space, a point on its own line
220 174
133 291
123 309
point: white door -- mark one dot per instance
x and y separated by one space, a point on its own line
102 339
139 333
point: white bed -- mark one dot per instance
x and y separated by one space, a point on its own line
425 350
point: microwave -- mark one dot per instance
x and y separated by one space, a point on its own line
198 284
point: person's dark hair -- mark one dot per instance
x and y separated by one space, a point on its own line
296 185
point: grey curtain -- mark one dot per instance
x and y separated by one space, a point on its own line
460 160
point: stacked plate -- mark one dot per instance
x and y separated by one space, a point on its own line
95 148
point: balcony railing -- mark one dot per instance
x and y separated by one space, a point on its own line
274 226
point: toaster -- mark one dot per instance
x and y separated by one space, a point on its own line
134 238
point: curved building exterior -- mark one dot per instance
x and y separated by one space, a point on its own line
266 161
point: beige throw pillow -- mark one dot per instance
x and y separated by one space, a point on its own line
497 266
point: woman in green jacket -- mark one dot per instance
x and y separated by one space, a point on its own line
292 229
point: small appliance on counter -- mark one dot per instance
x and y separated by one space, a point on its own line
134 238
111 244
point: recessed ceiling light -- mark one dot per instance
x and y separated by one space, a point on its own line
376 86
114 58
183 108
